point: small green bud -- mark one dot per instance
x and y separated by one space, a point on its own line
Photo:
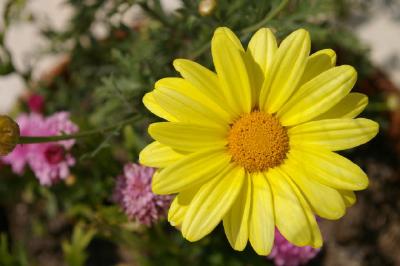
207 7
393 102
9 135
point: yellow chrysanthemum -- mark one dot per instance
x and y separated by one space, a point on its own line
254 144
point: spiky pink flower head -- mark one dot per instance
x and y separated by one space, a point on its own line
286 254
50 162
133 193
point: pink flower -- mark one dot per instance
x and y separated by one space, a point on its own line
286 254
133 193
30 125
35 103
51 161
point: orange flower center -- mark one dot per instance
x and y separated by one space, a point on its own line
257 141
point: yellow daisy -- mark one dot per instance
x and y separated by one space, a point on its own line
253 145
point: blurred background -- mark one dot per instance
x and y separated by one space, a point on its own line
80 54
376 24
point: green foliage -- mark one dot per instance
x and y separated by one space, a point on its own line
74 250
5 257
17 257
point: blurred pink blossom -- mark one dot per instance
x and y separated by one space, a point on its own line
286 254
50 162
133 193
35 103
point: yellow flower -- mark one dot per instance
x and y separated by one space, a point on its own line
254 144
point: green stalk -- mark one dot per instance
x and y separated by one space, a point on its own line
43 139
272 14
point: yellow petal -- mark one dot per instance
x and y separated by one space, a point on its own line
179 206
187 104
202 78
317 63
349 197
192 170
334 134
260 53
155 108
262 48
230 66
230 37
331 53
293 216
256 78
261 225
325 201
330 168
318 95
186 137
316 237
236 220
211 203
286 70
349 107
158 155
176 213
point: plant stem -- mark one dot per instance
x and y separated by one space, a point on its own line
200 51
273 13
44 139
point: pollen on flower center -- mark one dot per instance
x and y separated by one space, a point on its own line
257 141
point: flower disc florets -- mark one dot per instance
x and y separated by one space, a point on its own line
257 141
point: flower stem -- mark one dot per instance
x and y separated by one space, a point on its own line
272 14
44 139
200 51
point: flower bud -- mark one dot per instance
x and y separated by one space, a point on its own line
70 180
207 7
9 135
393 102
